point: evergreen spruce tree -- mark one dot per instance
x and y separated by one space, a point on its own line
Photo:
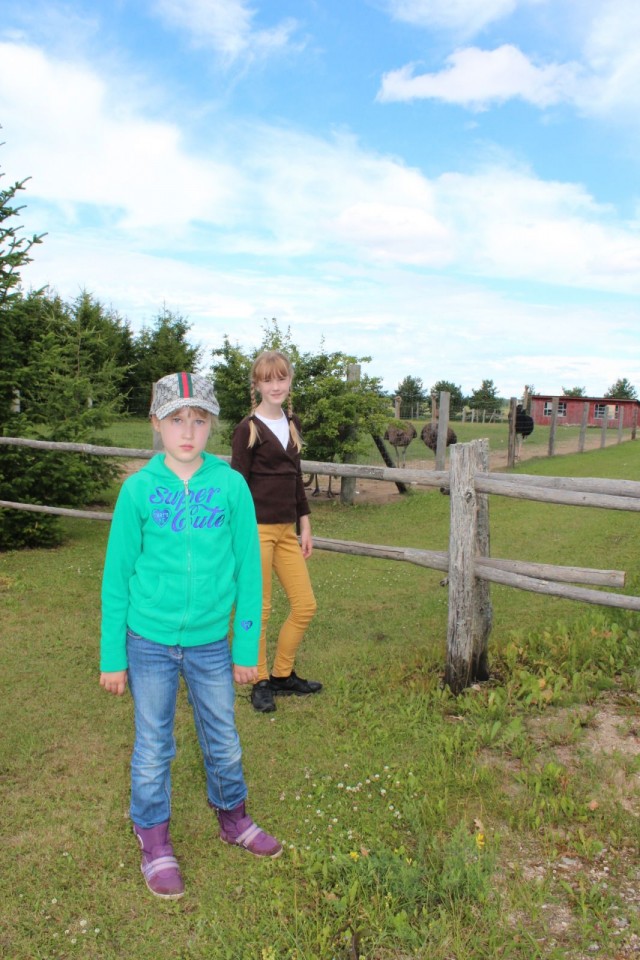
59 380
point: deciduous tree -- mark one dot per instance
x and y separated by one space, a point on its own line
622 389
457 398
485 397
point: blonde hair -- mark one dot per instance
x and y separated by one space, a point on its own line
269 364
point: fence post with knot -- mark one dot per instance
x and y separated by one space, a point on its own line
348 484
470 612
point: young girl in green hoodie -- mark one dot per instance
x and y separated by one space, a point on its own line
182 560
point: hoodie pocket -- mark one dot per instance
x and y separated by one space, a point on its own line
148 595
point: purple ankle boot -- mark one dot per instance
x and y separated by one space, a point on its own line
159 866
237 827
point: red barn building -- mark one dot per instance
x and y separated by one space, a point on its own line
570 411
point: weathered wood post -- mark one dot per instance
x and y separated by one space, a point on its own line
511 447
583 427
348 484
554 425
443 427
470 613
396 407
157 439
605 426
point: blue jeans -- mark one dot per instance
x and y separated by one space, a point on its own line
154 675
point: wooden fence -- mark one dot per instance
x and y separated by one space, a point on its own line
467 563
556 421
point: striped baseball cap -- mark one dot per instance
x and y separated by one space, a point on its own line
179 390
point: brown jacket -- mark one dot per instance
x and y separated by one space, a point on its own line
273 473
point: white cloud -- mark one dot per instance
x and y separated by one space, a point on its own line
475 78
612 54
225 26
512 225
323 234
466 16
81 146
462 17
298 197
604 81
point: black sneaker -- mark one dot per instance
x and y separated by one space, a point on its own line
262 697
285 686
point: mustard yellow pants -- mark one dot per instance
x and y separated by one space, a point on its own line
280 551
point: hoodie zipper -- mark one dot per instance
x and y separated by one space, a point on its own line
188 531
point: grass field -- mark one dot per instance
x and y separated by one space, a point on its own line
503 823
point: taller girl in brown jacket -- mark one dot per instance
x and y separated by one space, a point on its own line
266 451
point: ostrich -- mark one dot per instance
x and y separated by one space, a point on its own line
313 478
400 433
524 426
430 436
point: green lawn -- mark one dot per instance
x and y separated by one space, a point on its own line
415 825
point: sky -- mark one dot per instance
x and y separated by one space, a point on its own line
449 187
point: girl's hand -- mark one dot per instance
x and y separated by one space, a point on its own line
244 675
306 540
115 682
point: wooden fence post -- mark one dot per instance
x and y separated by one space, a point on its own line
443 427
583 427
470 617
554 425
348 484
605 425
511 448
156 438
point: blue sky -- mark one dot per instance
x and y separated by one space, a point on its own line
448 186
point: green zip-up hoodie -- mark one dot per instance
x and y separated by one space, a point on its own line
181 556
